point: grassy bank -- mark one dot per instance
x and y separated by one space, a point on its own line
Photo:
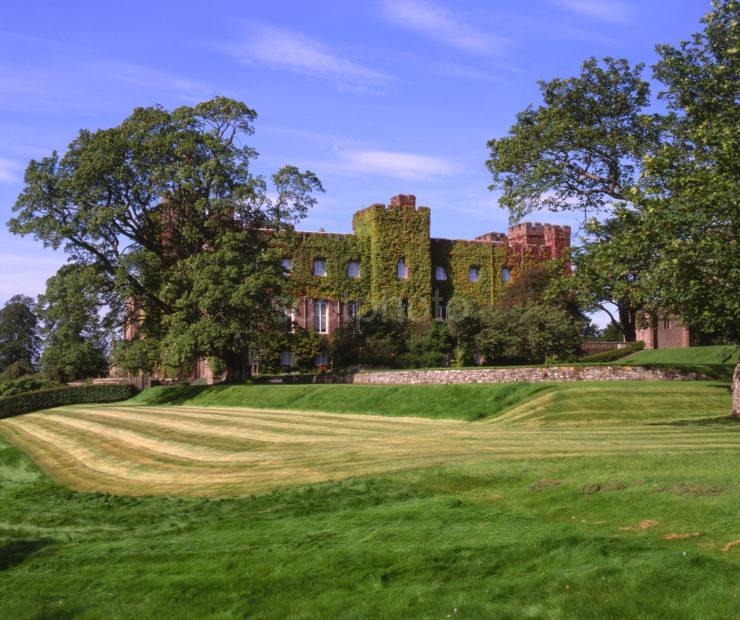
645 399
693 355
714 361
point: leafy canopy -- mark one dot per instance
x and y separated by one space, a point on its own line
166 209
580 148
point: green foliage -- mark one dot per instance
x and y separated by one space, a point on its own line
74 339
390 234
457 257
165 207
611 268
691 186
337 251
306 346
429 345
19 341
614 354
582 147
528 334
16 370
26 384
68 395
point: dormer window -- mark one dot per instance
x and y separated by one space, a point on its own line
287 264
353 269
402 272
505 274
473 274
319 267
439 273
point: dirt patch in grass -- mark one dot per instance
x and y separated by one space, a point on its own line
731 545
674 536
545 483
645 524
692 489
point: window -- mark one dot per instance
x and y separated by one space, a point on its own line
439 273
319 267
505 274
353 269
289 318
353 308
473 274
322 359
405 308
320 312
440 311
401 270
287 264
286 359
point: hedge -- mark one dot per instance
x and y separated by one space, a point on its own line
614 354
68 395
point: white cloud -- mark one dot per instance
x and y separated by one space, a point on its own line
439 23
10 171
149 78
283 49
391 164
607 10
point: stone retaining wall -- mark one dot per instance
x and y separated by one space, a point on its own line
511 375
508 375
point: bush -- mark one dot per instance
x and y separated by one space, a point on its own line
68 395
28 383
528 335
614 354
16 370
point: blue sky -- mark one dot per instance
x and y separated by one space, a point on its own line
377 97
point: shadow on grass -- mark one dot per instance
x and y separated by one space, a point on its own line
18 551
181 394
723 420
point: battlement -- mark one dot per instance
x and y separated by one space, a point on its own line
403 200
492 237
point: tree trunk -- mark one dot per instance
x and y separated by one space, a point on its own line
237 367
628 320
736 391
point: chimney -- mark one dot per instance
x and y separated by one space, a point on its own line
403 200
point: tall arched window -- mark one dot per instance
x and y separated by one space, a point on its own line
320 316
353 269
401 270
319 267
473 274
439 273
505 274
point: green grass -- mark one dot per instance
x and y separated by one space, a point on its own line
616 534
462 402
716 362
604 399
718 354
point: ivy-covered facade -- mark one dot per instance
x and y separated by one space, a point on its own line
392 264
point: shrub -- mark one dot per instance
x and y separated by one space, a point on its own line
614 354
16 370
28 383
68 395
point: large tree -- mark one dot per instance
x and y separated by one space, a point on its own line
691 187
581 148
19 340
166 209
610 270
74 337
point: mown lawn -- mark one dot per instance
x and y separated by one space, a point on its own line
602 508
